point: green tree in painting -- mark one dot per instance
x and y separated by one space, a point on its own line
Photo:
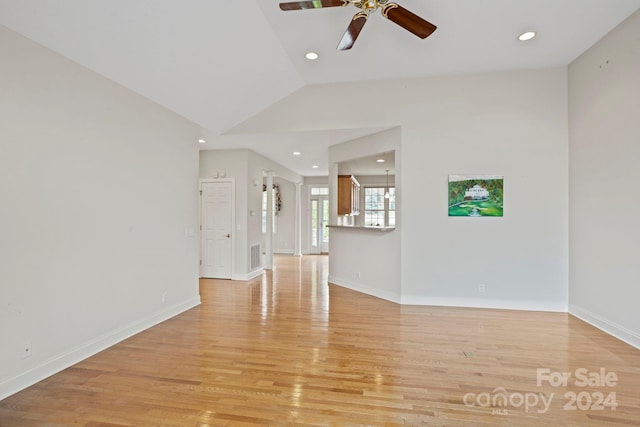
491 206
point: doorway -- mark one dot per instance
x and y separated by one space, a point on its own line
319 222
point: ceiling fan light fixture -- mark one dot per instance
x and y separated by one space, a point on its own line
311 56
527 35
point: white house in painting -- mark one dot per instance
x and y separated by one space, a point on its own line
476 192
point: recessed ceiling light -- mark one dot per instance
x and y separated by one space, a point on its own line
526 36
380 160
202 141
311 56
315 166
296 153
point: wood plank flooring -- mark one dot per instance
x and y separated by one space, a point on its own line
289 349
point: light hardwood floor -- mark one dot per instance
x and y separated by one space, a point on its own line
289 349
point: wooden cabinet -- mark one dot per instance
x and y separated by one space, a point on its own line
348 195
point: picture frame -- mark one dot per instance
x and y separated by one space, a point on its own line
476 195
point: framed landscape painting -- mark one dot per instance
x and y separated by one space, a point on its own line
476 195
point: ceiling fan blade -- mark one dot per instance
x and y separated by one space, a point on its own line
408 20
353 31
317 4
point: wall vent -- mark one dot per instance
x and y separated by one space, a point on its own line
255 258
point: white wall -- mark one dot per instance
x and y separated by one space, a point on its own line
604 125
99 213
366 260
512 124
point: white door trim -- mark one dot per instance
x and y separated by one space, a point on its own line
313 250
232 181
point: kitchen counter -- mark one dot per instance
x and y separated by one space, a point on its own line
358 228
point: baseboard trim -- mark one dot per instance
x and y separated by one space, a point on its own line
255 274
617 331
359 287
283 251
496 304
248 276
90 348
451 302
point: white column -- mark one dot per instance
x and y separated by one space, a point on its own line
297 234
268 239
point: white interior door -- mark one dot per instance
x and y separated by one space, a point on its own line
216 238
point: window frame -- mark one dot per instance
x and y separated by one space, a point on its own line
264 212
386 205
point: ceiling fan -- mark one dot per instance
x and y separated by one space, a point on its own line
390 10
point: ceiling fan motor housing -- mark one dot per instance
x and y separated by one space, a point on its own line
369 5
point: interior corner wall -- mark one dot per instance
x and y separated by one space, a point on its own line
604 125
99 213
512 124
366 260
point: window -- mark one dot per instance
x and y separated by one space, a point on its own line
378 211
319 191
264 212
314 223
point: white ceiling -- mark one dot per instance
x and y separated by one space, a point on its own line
221 63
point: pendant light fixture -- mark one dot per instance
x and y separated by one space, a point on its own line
386 194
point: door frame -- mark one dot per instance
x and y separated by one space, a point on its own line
324 247
232 181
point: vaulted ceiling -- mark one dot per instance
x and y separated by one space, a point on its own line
223 64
